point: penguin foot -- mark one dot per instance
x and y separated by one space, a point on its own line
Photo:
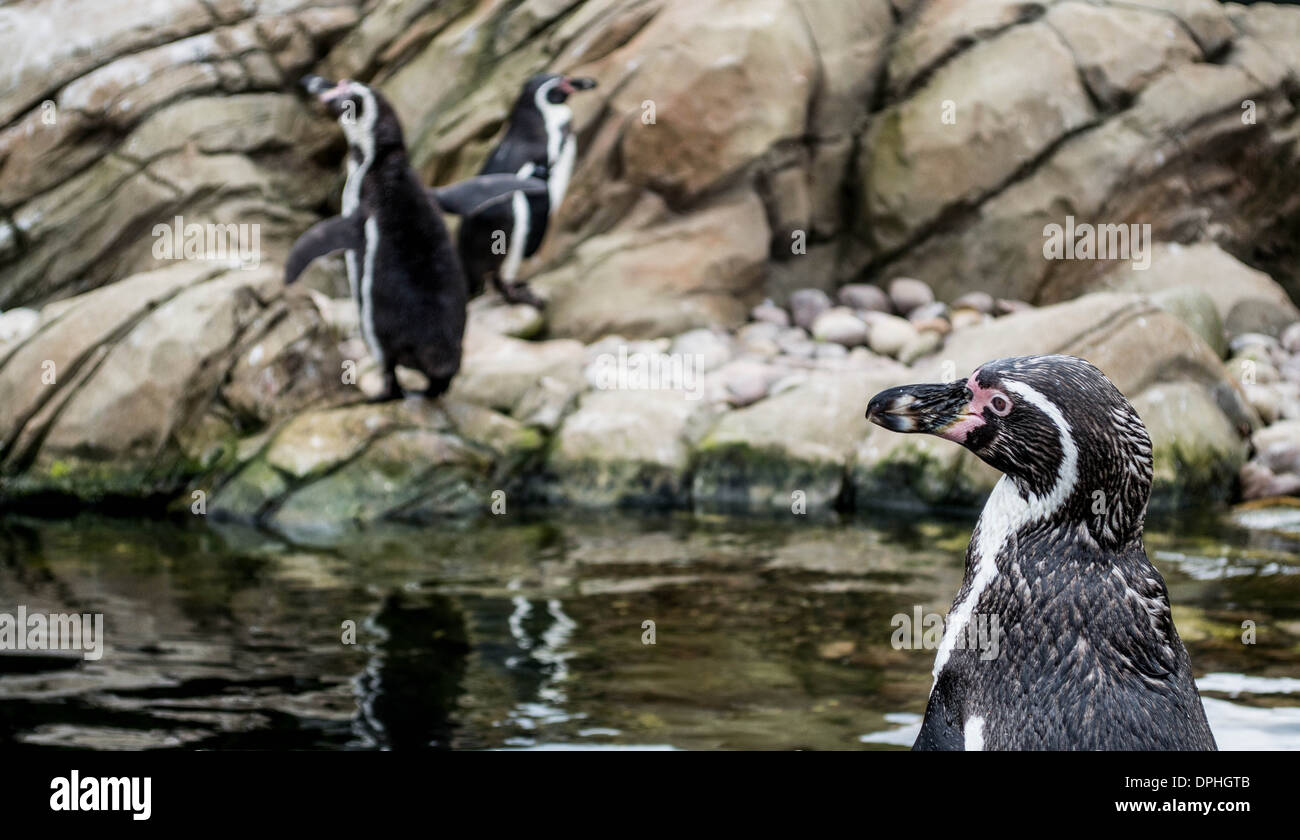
437 387
386 396
520 293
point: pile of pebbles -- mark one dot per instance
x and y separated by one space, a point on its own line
1269 372
904 322
866 327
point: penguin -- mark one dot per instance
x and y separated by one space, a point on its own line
1086 656
402 270
538 143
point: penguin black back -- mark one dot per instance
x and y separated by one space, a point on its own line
1083 653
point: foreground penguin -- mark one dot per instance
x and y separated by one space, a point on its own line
402 269
538 143
1087 656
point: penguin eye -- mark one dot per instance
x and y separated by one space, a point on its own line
1001 404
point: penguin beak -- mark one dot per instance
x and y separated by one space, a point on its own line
571 84
926 409
315 85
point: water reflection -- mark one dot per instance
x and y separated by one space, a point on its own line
529 633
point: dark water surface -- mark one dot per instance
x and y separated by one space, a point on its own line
509 632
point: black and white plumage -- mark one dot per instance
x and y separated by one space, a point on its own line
402 270
1088 657
538 143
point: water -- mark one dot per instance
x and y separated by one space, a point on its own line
528 633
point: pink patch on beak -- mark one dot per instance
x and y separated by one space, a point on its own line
339 90
974 417
566 86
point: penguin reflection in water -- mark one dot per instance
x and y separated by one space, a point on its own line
402 269
1088 658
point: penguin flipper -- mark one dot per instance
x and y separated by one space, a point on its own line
339 233
473 195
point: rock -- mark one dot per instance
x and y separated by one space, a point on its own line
1120 50
1197 310
939 326
925 343
745 381
1258 482
516 320
695 271
962 318
890 334
1247 300
789 448
807 304
864 296
500 372
282 369
1265 400
1006 306
708 348
981 302
831 351
756 98
769 313
1252 371
1290 338
1278 447
17 324
1286 433
133 371
921 165
1198 451
938 310
937 31
759 338
624 448
841 326
795 342
907 295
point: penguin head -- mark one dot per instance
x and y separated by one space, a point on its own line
1055 425
367 119
552 89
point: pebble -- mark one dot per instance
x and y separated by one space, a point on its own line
907 294
890 334
981 302
807 304
1007 306
746 382
769 313
866 297
712 349
840 326
962 318
1290 339
923 344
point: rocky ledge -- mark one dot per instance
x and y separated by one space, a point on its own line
212 389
